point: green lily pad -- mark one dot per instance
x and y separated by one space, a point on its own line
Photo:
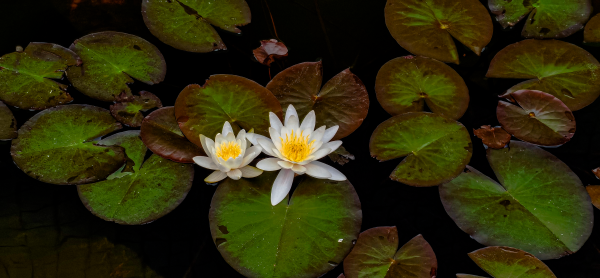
406 83
129 112
594 192
376 255
161 133
149 191
305 238
539 118
342 101
241 101
111 60
427 27
58 145
561 69
186 24
26 76
8 123
591 33
501 261
547 18
539 206
437 149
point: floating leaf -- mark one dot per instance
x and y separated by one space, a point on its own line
594 192
427 27
510 262
186 24
149 192
269 50
493 137
58 145
129 112
376 255
305 238
547 18
341 156
540 205
405 84
241 101
468 276
26 76
561 69
161 133
8 123
591 33
342 101
436 148
111 60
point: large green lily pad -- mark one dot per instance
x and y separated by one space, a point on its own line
26 76
539 206
591 33
547 18
437 149
342 101
241 101
129 111
561 69
306 237
501 261
186 24
406 83
426 27
58 145
146 193
376 255
111 60
8 123
161 133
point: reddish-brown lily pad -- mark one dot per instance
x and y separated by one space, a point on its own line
493 137
561 69
342 101
269 50
536 117
594 192
8 123
591 33
427 27
500 261
161 133
129 111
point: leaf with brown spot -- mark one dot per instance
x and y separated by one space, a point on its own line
129 111
269 50
493 137
501 261
594 192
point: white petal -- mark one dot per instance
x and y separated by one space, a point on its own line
251 136
316 155
251 154
206 162
292 122
266 144
275 122
279 155
317 171
333 145
268 164
230 137
308 124
227 128
216 176
290 111
234 163
336 175
299 169
235 174
317 135
281 186
316 146
224 165
204 147
210 145
241 135
250 172
219 139
275 137
285 164
329 133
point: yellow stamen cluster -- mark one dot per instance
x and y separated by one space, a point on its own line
296 146
228 150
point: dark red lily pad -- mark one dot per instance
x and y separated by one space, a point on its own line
269 50
129 111
8 123
493 137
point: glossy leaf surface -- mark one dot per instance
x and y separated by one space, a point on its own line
510 262
8 123
129 112
493 137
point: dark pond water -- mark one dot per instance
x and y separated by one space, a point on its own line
46 228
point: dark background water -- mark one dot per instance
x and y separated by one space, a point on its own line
45 231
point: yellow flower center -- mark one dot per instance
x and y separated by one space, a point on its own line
296 146
228 150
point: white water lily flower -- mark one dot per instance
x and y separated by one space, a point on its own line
295 148
228 156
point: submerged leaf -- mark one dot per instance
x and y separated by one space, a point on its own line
594 192
269 50
8 123
493 137
341 156
591 33
501 261
129 111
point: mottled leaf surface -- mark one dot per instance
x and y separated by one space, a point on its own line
269 50
501 261
428 27
8 123
561 69
129 111
436 148
58 145
539 206
342 101
26 78
406 84
493 137
305 238
591 33
594 192
111 60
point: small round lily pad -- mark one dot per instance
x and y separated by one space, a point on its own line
241 101
342 101
186 24
500 261
129 111
59 145
561 69
26 76
493 137
427 27
436 148
591 33
406 83
161 133
8 123
111 60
